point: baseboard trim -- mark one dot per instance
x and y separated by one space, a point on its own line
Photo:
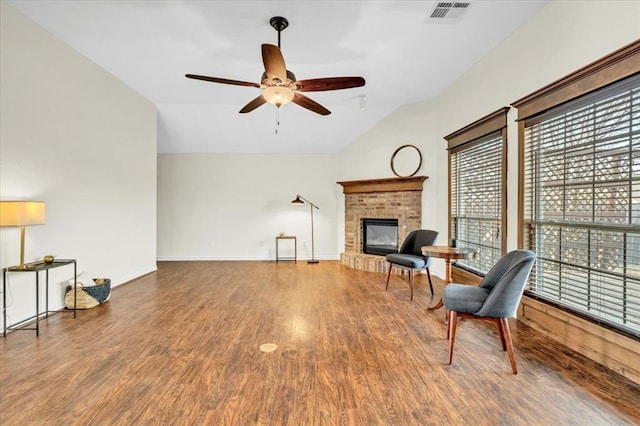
232 259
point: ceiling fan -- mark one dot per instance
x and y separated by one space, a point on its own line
279 85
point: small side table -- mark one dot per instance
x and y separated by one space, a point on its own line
295 248
35 267
448 254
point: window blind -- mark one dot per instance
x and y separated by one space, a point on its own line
582 204
476 197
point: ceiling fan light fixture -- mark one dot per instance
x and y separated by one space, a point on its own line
278 95
280 85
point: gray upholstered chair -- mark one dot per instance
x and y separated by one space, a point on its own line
410 256
496 298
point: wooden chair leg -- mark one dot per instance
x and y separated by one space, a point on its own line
501 329
451 334
388 276
411 282
447 322
430 285
507 338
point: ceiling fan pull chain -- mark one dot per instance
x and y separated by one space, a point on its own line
277 119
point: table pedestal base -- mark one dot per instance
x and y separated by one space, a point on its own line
447 281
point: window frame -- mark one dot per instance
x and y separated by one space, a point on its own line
468 137
615 67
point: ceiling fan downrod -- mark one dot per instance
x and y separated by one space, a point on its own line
279 24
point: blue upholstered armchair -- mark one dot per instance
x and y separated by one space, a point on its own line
410 256
496 298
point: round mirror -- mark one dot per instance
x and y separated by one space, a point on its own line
406 161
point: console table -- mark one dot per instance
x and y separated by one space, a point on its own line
35 267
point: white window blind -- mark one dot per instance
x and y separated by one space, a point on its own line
476 200
582 204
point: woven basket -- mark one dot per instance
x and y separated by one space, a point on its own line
88 296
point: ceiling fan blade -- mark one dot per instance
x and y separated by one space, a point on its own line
274 62
330 83
222 80
253 104
309 104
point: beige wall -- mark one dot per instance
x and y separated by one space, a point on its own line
77 138
231 207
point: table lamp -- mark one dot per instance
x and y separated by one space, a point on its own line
21 213
299 201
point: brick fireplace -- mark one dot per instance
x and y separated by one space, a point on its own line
394 198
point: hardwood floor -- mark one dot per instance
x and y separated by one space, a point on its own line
181 346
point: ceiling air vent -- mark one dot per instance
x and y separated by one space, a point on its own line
448 11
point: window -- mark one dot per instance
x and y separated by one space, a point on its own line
477 156
580 200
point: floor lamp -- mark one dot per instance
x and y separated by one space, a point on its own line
299 201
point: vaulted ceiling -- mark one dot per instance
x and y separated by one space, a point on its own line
404 54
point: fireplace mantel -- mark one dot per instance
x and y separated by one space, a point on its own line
392 198
413 183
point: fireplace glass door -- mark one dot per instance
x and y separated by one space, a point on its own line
379 236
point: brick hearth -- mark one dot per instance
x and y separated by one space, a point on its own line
396 198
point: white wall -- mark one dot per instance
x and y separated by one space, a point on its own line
231 207
77 138
563 37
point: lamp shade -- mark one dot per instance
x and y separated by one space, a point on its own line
297 200
21 213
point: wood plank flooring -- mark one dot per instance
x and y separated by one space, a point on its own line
180 347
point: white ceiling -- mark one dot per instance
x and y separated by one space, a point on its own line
404 55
